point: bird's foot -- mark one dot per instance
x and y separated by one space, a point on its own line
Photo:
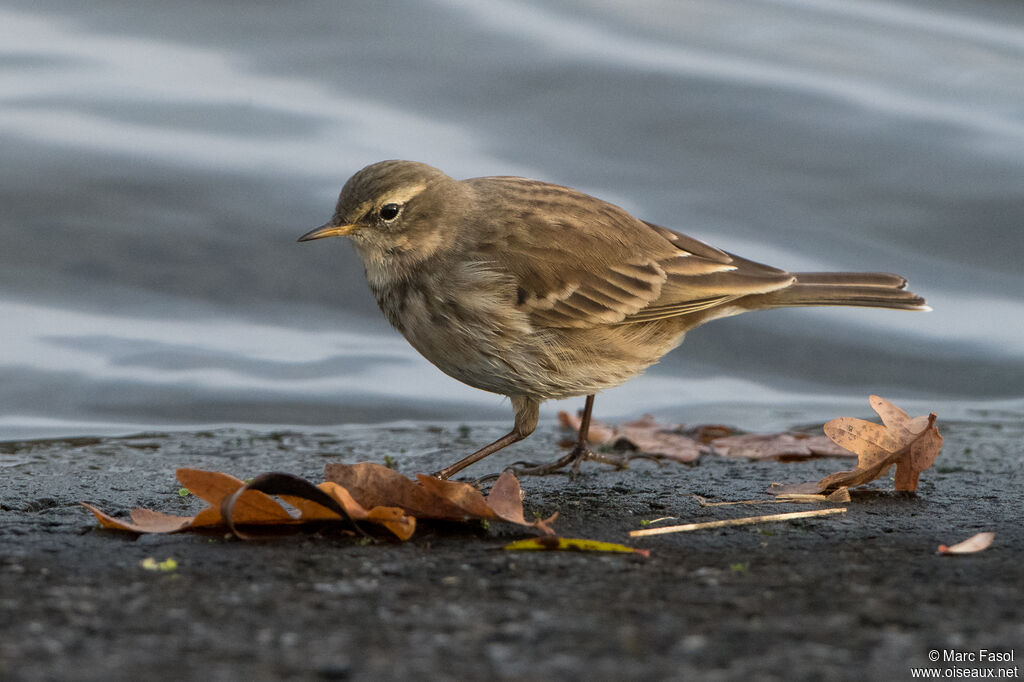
573 460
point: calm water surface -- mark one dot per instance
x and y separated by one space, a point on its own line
159 163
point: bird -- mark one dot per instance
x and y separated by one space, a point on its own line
537 291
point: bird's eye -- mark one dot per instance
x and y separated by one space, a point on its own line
389 211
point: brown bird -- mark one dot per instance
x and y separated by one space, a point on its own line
537 291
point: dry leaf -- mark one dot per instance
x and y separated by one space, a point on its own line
574 545
156 523
431 498
375 485
598 432
975 543
284 485
705 433
923 452
235 503
647 436
506 500
777 446
909 444
644 435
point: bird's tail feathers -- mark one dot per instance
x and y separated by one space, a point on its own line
868 289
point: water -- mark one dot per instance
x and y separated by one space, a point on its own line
160 161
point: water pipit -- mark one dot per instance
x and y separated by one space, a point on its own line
536 291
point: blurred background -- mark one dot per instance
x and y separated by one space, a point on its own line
160 159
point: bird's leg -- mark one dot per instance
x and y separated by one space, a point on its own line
580 451
527 411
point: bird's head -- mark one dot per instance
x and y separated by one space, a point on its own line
394 212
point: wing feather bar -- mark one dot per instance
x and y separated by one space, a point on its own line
662 312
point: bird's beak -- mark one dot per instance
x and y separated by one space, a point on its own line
328 230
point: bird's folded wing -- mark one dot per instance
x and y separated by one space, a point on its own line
589 263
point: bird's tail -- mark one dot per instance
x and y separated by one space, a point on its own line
868 289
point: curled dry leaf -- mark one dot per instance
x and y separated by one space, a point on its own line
975 543
431 498
212 487
910 444
376 494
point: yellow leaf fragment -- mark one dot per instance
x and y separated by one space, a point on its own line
151 564
573 545
975 543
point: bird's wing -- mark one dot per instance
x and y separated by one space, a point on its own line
582 262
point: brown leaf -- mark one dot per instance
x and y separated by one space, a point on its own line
431 498
159 523
506 501
705 433
857 476
210 486
923 452
872 442
644 435
464 496
395 520
214 487
598 433
652 438
286 486
378 495
975 543
647 436
901 441
776 446
896 419
375 485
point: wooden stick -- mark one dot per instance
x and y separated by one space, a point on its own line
735 522
840 495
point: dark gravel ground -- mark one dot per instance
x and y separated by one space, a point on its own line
855 596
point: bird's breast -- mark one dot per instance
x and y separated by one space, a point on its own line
463 319
468 321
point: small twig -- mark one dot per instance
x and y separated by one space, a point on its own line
735 522
840 495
